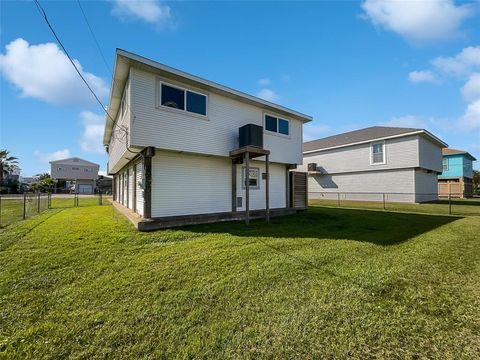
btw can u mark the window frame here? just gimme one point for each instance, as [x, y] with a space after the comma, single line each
[159, 104]
[276, 133]
[445, 162]
[384, 153]
[244, 172]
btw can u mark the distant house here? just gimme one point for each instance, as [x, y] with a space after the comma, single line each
[456, 178]
[183, 149]
[80, 175]
[401, 162]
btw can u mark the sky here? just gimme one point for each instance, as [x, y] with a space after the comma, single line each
[349, 64]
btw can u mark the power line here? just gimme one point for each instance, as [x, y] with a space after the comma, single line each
[44, 15]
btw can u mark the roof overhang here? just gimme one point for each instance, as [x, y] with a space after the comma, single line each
[124, 60]
[422, 132]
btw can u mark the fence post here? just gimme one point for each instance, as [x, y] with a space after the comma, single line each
[100, 198]
[384, 207]
[338, 199]
[0, 211]
[449, 204]
[38, 203]
[24, 206]
[49, 200]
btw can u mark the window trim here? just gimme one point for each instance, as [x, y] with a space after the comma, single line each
[277, 133]
[445, 160]
[384, 153]
[244, 172]
[159, 105]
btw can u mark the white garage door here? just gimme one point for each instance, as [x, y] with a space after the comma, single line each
[85, 189]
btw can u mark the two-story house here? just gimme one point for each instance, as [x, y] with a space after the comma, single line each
[364, 164]
[456, 178]
[175, 152]
[79, 175]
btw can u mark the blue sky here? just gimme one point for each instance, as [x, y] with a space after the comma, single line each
[348, 64]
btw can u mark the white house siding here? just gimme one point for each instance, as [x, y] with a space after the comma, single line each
[426, 185]
[118, 142]
[399, 152]
[186, 184]
[277, 187]
[131, 184]
[364, 186]
[217, 134]
[430, 155]
[139, 194]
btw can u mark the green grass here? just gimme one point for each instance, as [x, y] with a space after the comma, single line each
[327, 283]
[458, 206]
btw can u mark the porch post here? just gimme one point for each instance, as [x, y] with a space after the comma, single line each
[247, 187]
[147, 163]
[234, 185]
[267, 189]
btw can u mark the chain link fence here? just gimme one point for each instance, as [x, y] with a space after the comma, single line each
[430, 203]
[14, 208]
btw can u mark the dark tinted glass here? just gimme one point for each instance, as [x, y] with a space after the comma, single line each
[173, 97]
[196, 103]
[283, 126]
[270, 123]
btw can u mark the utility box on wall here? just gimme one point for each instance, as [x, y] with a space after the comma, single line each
[250, 135]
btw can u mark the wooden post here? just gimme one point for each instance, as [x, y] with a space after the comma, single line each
[234, 185]
[38, 203]
[384, 208]
[267, 189]
[247, 187]
[338, 199]
[134, 197]
[147, 200]
[449, 204]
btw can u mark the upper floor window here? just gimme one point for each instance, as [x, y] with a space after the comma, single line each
[277, 125]
[86, 169]
[60, 169]
[75, 168]
[445, 164]
[183, 99]
[378, 153]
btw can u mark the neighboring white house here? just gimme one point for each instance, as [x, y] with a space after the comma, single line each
[80, 174]
[174, 147]
[401, 162]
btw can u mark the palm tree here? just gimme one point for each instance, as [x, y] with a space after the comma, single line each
[7, 162]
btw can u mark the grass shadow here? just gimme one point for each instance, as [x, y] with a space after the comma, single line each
[377, 227]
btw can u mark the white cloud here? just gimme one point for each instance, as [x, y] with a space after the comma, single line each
[56, 155]
[410, 121]
[313, 132]
[422, 76]
[44, 72]
[471, 89]
[91, 139]
[267, 94]
[151, 11]
[264, 81]
[460, 65]
[470, 121]
[418, 20]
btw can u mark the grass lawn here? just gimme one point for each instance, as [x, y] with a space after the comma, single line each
[326, 283]
[458, 206]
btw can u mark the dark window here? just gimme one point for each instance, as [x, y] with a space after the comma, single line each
[283, 126]
[270, 123]
[196, 103]
[173, 97]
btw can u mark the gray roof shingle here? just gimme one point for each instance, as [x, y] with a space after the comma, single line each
[351, 137]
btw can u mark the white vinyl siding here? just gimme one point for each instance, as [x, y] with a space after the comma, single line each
[139, 195]
[430, 155]
[257, 196]
[426, 185]
[384, 181]
[216, 134]
[399, 153]
[184, 184]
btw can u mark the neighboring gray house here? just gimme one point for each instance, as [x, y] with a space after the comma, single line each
[403, 162]
[79, 175]
[174, 149]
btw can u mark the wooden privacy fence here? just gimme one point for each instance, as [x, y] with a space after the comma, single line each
[298, 190]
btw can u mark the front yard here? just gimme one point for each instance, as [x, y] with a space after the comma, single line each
[82, 283]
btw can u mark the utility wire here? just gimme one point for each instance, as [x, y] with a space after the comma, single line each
[44, 15]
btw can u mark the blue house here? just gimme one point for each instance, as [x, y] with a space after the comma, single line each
[456, 178]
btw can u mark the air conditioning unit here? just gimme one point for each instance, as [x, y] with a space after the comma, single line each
[250, 135]
[312, 167]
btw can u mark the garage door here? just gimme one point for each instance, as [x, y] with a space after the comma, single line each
[85, 189]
